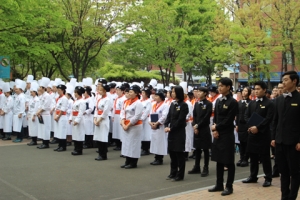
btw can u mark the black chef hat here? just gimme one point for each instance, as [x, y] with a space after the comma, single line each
[212, 88]
[161, 94]
[62, 87]
[135, 88]
[79, 90]
[103, 81]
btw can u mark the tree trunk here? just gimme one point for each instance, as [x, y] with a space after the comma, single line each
[293, 56]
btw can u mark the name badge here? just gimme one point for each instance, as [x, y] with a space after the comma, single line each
[204, 107]
[294, 104]
[262, 106]
[225, 107]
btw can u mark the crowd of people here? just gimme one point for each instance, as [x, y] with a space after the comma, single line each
[173, 120]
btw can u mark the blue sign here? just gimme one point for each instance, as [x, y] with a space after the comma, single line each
[4, 67]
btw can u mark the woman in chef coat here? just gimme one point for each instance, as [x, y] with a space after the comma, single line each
[60, 118]
[102, 122]
[133, 127]
[76, 120]
[7, 112]
[88, 117]
[159, 142]
[33, 106]
[146, 136]
[69, 91]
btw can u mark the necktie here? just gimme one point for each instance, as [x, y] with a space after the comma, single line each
[287, 95]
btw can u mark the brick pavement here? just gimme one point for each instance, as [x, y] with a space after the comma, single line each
[252, 191]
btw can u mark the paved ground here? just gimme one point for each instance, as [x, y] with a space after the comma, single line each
[29, 173]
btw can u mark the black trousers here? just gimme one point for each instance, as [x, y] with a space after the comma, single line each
[198, 157]
[146, 145]
[20, 134]
[78, 146]
[288, 160]
[244, 156]
[266, 163]
[102, 149]
[89, 141]
[118, 143]
[177, 163]
[220, 174]
[34, 139]
[46, 142]
[131, 161]
[159, 157]
[62, 143]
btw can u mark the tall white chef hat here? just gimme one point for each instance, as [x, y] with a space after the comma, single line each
[56, 82]
[1, 85]
[159, 86]
[45, 82]
[73, 82]
[30, 78]
[34, 86]
[11, 84]
[5, 87]
[21, 84]
[88, 81]
[153, 82]
[70, 89]
[184, 86]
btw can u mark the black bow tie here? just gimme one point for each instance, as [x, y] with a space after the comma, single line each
[259, 99]
[287, 95]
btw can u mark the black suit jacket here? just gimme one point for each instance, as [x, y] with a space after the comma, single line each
[241, 122]
[260, 142]
[286, 123]
[176, 120]
[201, 117]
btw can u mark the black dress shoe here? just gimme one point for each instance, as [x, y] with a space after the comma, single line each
[99, 158]
[56, 149]
[145, 153]
[69, 143]
[267, 183]
[244, 164]
[44, 146]
[76, 153]
[60, 149]
[177, 179]
[195, 170]
[32, 143]
[239, 163]
[117, 149]
[170, 177]
[123, 166]
[216, 189]
[157, 162]
[227, 191]
[6, 138]
[250, 180]
[130, 166]
[205, 172]
[54, 141]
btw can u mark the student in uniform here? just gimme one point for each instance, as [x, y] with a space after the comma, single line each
[60, 118]
[2, 100]
[43, 113]
[202, 138]
[102, 122]
[132, 126]
[33, 106]
[285, 137]
[118, 105]
[146, 135]
[223, 148]
[69, 92]
[7, 112]
[19, 110]
[159, 142]
[88, 118]
[76, 120]
[242, 128]
[175, 127]
[258, 143]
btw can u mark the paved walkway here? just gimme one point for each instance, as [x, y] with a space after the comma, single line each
[253, 191]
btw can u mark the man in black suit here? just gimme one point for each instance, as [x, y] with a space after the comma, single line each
[242, 127]
[286, 136]
[259, 136]
[202, 138]
[223, 148]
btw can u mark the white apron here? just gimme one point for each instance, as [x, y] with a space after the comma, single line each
[101, 132]
[32, 126]
[147, 106]
[78, 131]
[2, 100]
[8, 122]
[131, 139]
[60, 130]
[45, 129]
[88, 118]
[117, 128]
[189, 133]
[159, 138]
[1, 121]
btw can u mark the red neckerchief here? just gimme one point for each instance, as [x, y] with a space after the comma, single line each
[59, 98]
[103, 97]
[155, 106]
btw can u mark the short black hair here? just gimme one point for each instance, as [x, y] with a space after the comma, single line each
[293, 76]
[262, 84]
[203, 89]
[179, 93]
[88, 90]
[226, 81]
